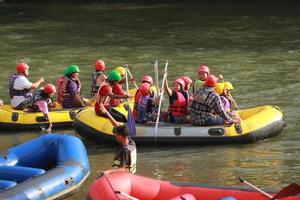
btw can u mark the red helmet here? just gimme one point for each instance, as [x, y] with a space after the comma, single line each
[100, 65]
[203, 68]
[21, 67]
[144, 89]
[49, 88]
[211, 81]
[181, 82]
[105, 90]
[148, 79]
[187, 80]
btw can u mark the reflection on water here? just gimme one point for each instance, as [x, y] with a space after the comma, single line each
[254, 45]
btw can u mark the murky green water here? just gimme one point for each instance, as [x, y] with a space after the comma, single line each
[255, 46]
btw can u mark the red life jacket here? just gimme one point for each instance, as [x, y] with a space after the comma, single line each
[136, 103]
[105, 100]
[178, 108]
[65, 93]
[116, 102]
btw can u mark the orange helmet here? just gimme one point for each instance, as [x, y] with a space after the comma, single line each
[211, 81]
[203, 68]
[187, 80]
[49, 88]
[100, 65]
[21, 67]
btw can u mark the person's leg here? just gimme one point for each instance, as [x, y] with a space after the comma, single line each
[24, 104]
[214, 121]
[117, 115]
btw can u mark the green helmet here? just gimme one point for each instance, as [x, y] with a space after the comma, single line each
[114, 76]
[66, 71]
[73, 69]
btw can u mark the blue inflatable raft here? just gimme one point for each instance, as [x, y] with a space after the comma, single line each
[49, 167]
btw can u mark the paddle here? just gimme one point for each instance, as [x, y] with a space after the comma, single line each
[155, 66]
[130, 120]
[289, 190]
[160, 100]
[129, 73]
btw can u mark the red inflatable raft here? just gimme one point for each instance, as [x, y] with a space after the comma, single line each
[121, 186]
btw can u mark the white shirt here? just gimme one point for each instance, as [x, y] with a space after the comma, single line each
[20, 83]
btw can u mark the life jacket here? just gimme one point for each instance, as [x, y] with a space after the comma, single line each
[65, 93]
[177, 107]
[197, 85]
[115, 102]
[39, 95]
[143, 110]
[133, 155]
[226, 102]
[13, 92]
[59, 89]
[137, 97]
[94, 85]
[199, 100]
[102, 100]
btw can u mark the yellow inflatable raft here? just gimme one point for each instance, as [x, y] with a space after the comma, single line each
[11, 119]
[257, 124]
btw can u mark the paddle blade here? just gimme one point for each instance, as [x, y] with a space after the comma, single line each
[131, 123]
[290, 190]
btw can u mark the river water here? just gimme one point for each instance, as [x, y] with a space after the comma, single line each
[254, 45]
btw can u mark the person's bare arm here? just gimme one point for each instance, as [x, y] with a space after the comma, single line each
[37, 83]
[111, 119]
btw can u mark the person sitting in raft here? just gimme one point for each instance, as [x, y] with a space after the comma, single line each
[114, 78]
[71, 88]
[42, 101]
[207, 108]
[145, 104]
[203, 72]
[59, 84]
[223, 89]
[103, 98]
[147, 80]
[98, 76]
[1, 103]
[177, 101]
[20, 87]
[126, 154]
[188, 81]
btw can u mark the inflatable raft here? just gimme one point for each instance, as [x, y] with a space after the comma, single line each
[49, 167]
[257, 124]
[12, 120]
[121, 185]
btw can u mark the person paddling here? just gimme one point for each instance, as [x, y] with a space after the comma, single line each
[98, 76]
[126, 153]
[20, 87]
[203, 72]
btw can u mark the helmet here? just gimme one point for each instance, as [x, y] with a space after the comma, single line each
[49, 88]
[211, 81]
[228, 86]
[187, 80]
[100, 65]
[148, 79]
[121, 70]
[203, 68]
[181, 82]
[21, 67]
[219, 88]
[73, 69]
[114, 75]
[105, 90]
[66, 71]
[144, 89]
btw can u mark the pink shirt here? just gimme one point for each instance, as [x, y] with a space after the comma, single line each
[43, 106]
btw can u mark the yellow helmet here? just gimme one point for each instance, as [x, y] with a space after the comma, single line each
[228, 86]
[220, 88]
[121, 70]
